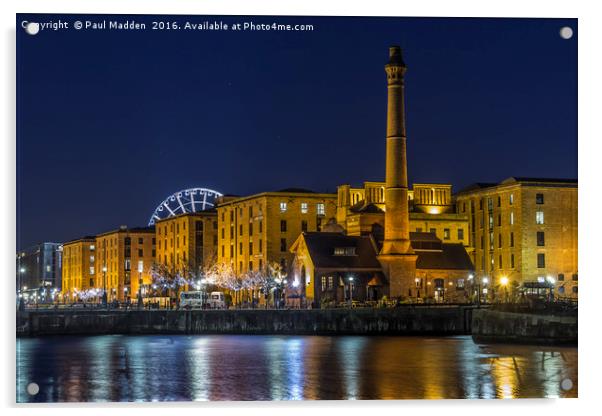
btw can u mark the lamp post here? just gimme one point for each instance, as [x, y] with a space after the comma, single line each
[504, 283]
[485, 280]
[350, 291]
[104, 286]
[140, 301]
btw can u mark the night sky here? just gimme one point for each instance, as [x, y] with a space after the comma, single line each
[110, 123]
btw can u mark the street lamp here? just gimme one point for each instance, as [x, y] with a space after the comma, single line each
[504, 282]
[350, 291]
[104, 285]
[140, 268]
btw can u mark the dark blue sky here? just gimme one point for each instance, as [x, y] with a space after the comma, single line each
[110, 123]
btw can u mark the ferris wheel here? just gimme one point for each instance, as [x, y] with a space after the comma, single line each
[187, 200]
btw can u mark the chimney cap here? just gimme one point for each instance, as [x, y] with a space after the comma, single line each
[395, 56]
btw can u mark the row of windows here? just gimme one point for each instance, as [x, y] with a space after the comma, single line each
[446, 232]
[320, 208]
[198, 226]
[539, 199]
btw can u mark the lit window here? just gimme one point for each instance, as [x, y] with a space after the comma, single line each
[304, 208]
[283, 207]
[512, 218]
[539, 217]
[511, 199]
[92, 247]
[91, 270]
[320, 208]
[446, 233]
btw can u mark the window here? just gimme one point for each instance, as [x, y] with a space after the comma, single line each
[489, 204]
[446, 233]
[512, 261]
[511, 199]
[323, 283]
[540, 239]
[418, 229]
[260, 226]
[282, 226]
[344, 251]
[433, 231]
[303, 207]
[499, 240]
[260, 265]
[223, 251]
[511, 239]
[154, 241]
[561, 290]
[231, 231]
[464, 207]
[250, 229]
[250, 212]
[481, 204]
[223, 233]
[231, 215]
[499, 201]
[574, 277]
[140, 252]
[232, 250]
[512, 218]
[490, 221]
[561, 277]
[303, 226]
[127, 265]
[539, 199]
[575, 289]
[240, 229]
[491, 243]
[251, 266]
[460, 284]
[140, 240]
[92, 247]
[251, 248]
[198, 226]
[283, 244]
[320, 209]
[240, 248]
[319, 224]
[283, 207]
[539, 217]
[460, 233]
[541, 260]
[260, 246]
[499, 220]
[92, 270]
[330, 282]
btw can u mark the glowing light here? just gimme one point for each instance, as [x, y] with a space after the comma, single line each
[22, 270]
[504, 280]
[551, 280]
[485, 280]
[470, 276]
[295, 283]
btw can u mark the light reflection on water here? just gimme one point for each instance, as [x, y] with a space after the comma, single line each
[229, 367]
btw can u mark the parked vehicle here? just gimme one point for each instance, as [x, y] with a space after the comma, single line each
[191, 300]
[217, 300]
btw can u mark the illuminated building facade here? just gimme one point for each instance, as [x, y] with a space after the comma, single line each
[79, 271]
[187, 242]
[524, 230]
[123, 262]
[258, 230]
[39, 268]
[431, 209]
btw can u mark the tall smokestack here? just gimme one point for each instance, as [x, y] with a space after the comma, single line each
[397, 220]
[396, 256]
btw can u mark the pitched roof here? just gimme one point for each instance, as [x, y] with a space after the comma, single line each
[321, 249]
[450, 257]
[432, 254]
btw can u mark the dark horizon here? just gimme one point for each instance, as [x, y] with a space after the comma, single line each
[111, 123]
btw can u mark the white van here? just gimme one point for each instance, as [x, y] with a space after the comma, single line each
[217, 300]
[191, 300]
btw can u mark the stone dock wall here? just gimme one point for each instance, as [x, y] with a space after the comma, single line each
[510, 327]
[453, 320]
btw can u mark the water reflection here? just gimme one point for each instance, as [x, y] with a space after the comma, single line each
[167, 368]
